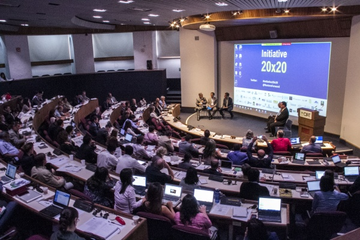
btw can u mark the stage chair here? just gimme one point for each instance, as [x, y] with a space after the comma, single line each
[159, 227]
[184, 232]
[286, 128]
[322, 225]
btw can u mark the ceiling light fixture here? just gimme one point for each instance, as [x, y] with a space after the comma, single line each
[2, 20]
[221, 4]
[97, 16]
[236, 13]
[106, 21]
[178, 10]
[207, 16]
[282, 0]
[153, 15]
[286, 11]
[182, 20]
[145, 19]
[324, 9]
[147, 23]
[24, 24]
[126, 1]
[333, 9]
[99, 10]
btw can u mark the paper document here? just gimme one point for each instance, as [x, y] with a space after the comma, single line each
[240, 212]
[99, 227]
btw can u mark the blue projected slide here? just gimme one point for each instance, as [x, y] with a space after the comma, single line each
[267, 73]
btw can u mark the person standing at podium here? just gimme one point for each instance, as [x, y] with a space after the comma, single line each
[279, 120]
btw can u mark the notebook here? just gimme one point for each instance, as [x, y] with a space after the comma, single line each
[172, 193]
[61, 200]
[337, 161]
[313, 186]
[204, 197]
[295, 142]
[226, 165]
[9, 174]
[29, 196]
[319, 174]
[351, 173]
[269, 209]
[299, 158]
[139, 184]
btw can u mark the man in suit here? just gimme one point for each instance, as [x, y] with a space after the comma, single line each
[252, 190]
[227, 105]
[278, 120]
[212, 105]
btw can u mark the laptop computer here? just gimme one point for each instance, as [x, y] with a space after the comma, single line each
[295, 142]
[9, 174]
[122, 132]
[269, 209]
[351, 173]
[319, 174]
[61, 200]
[337, 161]
[319, 140]
[299, 158]
[128, 139]
[172, 193]
[204, 197]
[313, 186]
[139, 184]
[226, 165]
[29, 196]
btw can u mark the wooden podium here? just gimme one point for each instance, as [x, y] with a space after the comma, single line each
[310, 123]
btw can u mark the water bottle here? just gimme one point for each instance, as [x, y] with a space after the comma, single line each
[217, 195]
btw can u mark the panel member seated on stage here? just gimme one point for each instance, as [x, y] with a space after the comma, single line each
[214, 168]
[312, 147]
[281, 143]
[260, 161]
[227, 105]
[279, 120]
[252, 190]
[237, 157]
[200, 102]
[212, 105]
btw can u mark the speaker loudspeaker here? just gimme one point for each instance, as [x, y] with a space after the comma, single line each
[273, 34]
[149, 65]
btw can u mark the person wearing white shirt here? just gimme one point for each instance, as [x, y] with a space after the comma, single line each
[139, 150]
[107, 159]
[126, 161]
[162, 102]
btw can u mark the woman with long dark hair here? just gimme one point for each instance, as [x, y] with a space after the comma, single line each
[125, 199]
[67, 225]
[190, 182]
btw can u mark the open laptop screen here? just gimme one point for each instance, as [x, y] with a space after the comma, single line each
[204, 195]
[273, 204]
[295, 140]
[10, 171]
[128, 137]
[319, 174]
[319, 139]
[61, 198]
[122, 131]
[351, 171]
[139, 181]
[299, 156]
[173, 190]
[226, 164]
[336, 159]
[313, 186]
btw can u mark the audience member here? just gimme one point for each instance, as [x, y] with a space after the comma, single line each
[67, 225]
[107, 159]
[153, 202]
[142, 102]
[94, 126]
[256, 230]
[154, 174]
[161, 152]
[212, 105]
[261, 161]
[128, 129]
[87, 150]
[236, 156]
[139, 150]
[252, 190]
[83, 97]
[281, 143]
[133, 105]
[185, 146]
[227, 105]
[103, 134]
[27, 161]
[151, 137]
[107, 104]
[98, 187]
[10, 116]
[355, 186]
[126, 161]
[112, 99]
[55, 129]
[7, 150]
[165, 141]
[162, 102]
[26, 107]
[124, 194]
[210, 152]
[312, 147]
[190, 182]
[205, 138]
[65, 145]
[15, 137]
[185, 164]
[214, 168]
[3, 124]
[38, 98]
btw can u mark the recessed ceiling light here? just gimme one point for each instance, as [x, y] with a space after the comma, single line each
[106, 21]
[126, 1]
[147, 23]
[282, 0]
[286, 11]
[145, 19]
[182, 19]
[178, 10]
[324, 9]
[207, 16]
[99, 10]
[334, 9]
[2, 20]
[153, 15]
[221, 4]
[24, 24]
[97, 16]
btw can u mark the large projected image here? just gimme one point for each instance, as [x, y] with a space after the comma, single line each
[267, 73]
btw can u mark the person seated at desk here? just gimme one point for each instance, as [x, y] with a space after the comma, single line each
[124, 193]
[185, 146]
[3, 124]
[26, 107]
[107, 104]
[212, 105]
[128, 129]
[38, 98]
[281, 143]
[133, 105]
[165, 141]
[328, 198]
[94, 126]
[185, 164]
[278, 120]
[227, 105]
[103, 134]
[355, 186]
[27, 161]
[126, 161]
[205, 138]
[161, 152]
[193, 215]
[134, 124]
[153, 202]
[98, 187]
[214, 168]
[97, 112]
[157, 108]
[59, 113]
[139, 150]
[55, 129]
[210, 152]
[41, 173]
[16, 138]
[107, 159]
[83, 97]
[256, 230]
[162, 102]
[200, 103]
[7, 217]
[112, 98]
[154, 174]
[252, 190]
[66, 104]
[236, 156]
[261, 161]
[142, 102]
[151, 137]
[10, 116]
[69, 217]
[190, 181]
[87, 150]
[312, 147]
[7, 150]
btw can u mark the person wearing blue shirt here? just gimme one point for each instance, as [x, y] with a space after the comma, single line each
[237, 157]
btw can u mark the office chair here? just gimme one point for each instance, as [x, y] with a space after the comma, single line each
[314, 155]
[159, 227]
[322, 225]
[353, 208]
[79, 194]
[38, 237]
[184, 232]
[286, 128]
[282, 153]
